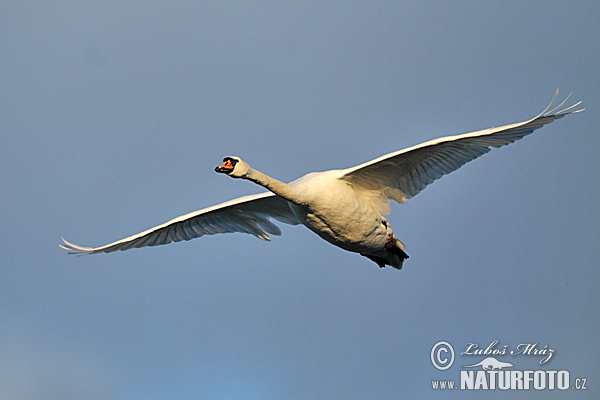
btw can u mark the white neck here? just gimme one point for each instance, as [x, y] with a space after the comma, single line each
[279, 188]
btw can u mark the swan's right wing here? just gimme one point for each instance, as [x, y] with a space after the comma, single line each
[403, 174]
[249, 214]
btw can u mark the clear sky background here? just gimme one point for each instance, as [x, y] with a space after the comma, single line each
[113, 116]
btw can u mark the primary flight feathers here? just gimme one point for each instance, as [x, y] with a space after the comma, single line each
[248, 214]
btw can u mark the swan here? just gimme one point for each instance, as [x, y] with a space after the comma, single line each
[345, 207]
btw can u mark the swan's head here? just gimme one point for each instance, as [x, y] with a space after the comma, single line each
[234, 167]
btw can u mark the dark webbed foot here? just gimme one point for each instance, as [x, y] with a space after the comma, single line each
[393, 247]
[399, 252]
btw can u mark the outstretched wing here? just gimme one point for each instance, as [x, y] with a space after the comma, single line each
[249, 214]
[403, 174]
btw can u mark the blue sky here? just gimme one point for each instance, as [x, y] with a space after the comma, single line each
[114, 115]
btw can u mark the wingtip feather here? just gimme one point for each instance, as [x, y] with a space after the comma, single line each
[552, 112]
[560, 105]
[568, 108]
[545, 112]
[74, 249]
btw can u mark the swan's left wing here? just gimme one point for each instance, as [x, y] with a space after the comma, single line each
[403, 174]
[249, 214]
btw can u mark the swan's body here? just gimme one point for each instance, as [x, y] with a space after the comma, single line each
[343, 216]
[344, 207]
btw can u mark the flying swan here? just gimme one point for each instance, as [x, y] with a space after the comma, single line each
[345, 207]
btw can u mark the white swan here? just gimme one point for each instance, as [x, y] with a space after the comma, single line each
[344, 207]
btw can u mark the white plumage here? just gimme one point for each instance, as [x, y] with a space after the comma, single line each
[344, 207]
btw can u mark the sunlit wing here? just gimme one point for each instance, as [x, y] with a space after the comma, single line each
[403, 174]
[249, 214]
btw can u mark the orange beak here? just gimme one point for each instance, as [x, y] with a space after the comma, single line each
[227, 166]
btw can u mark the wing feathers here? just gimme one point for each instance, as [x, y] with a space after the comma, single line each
[406, 172]
[248, 214]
